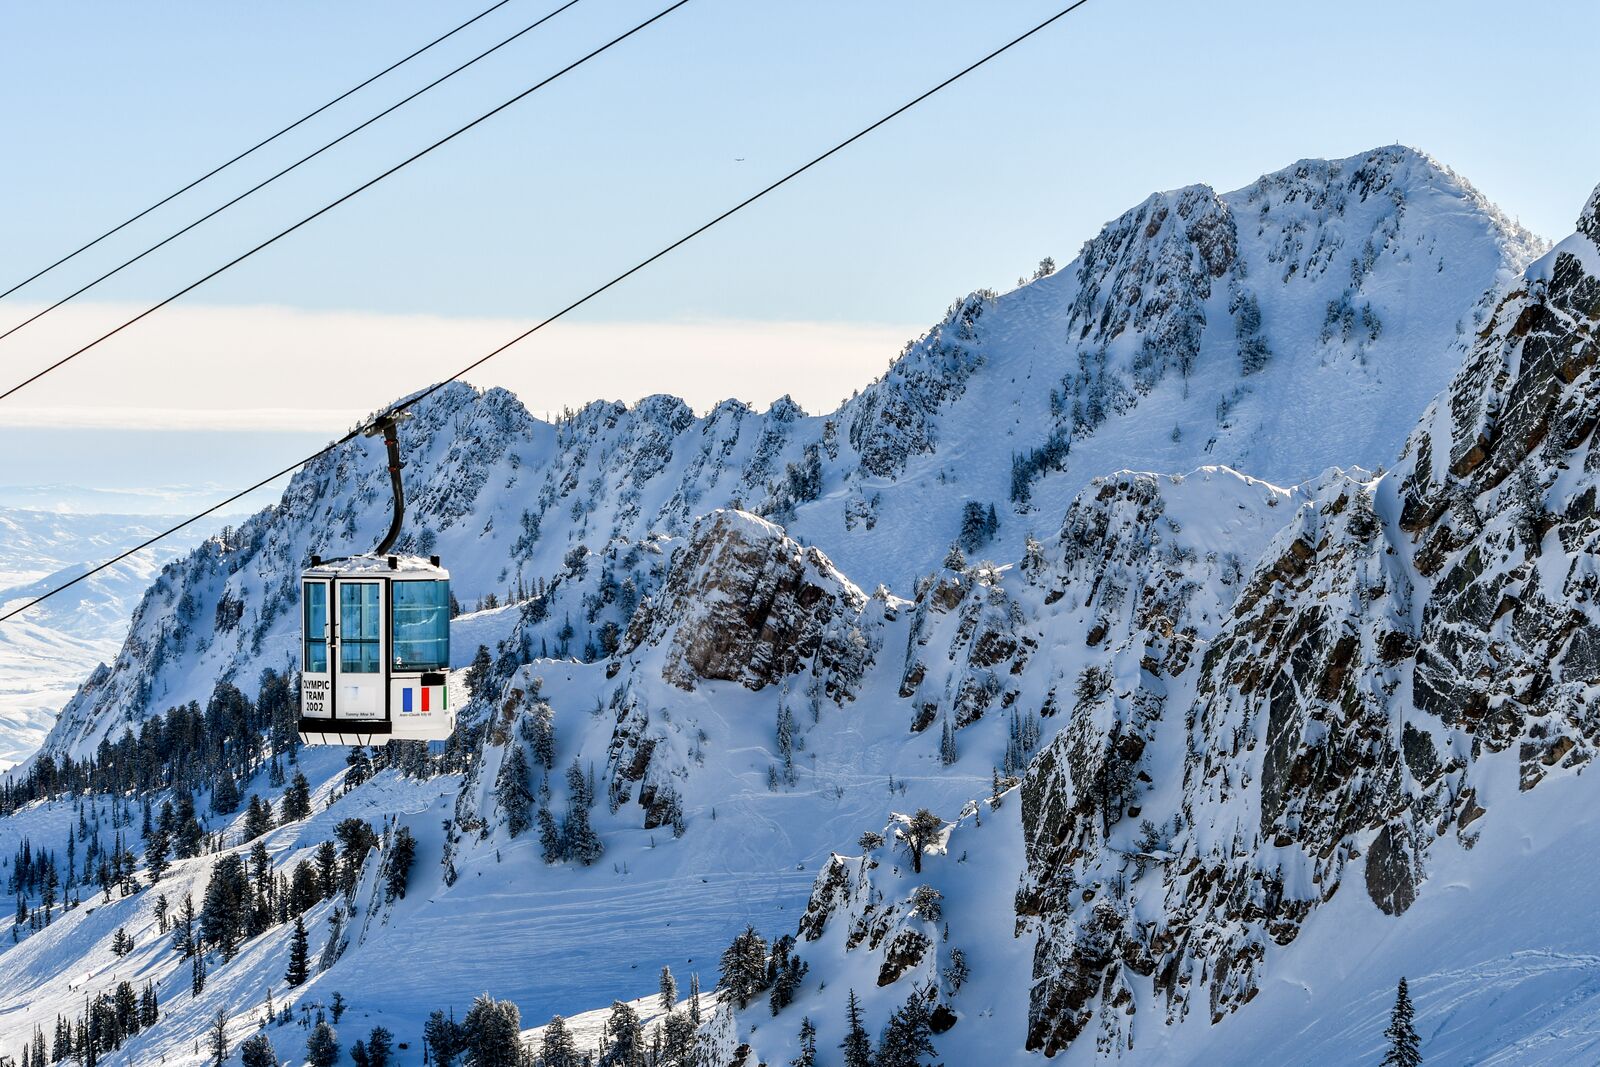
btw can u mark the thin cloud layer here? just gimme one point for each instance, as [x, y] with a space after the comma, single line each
[275, 368]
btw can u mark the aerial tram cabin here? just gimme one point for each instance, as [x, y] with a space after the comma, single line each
[375, 638]
[376, 648]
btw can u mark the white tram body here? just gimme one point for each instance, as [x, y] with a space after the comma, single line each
[375, 651]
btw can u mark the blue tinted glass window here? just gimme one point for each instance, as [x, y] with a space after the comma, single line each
[421, 625]
[359, 627]
[314, 599]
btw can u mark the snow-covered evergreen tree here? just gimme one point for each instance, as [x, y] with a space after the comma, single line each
[908, 1035]
[322, 1046]
[744, 967]
[808, 1044]
[512, 792]
[299, 955]
[857, 1045]
[1404, 1045]
[446, 1038]
[257, 1051]
[494, 1033]
[625, 1034]
[919, 831]
[785, 972]
[558, 1048]
[667, 988]
[296, 799]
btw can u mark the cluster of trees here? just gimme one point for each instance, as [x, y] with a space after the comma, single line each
[748, 969]
[244, 899]
[1046, 267]
[189, 750]
[184, 750]
[1253, 351]
[37, 873]
[906, 1039]
[489, 1036]
[573, 838]
[1026, 467]
[978, 526]
[801, 483]
[1342, 317]
[107, 1022]
[788, 741]
[1022, 737]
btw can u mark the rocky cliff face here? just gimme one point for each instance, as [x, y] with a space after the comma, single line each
[746, 604]
[1396, 635]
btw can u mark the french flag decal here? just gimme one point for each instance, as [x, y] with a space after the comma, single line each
[405, 699]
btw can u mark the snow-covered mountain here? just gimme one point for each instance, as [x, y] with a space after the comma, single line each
[1155, 739]
[45, 654]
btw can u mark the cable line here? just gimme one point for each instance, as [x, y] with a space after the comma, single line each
[423, 394]
[363, 187]
[308, 116]
[303, 159]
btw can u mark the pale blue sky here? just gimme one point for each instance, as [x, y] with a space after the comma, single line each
[109, 105]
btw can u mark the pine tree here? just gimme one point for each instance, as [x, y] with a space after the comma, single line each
[183, 929]
[550, 843]
[299, 960]
[786, 741]
[908, 1035]
[680, 1040]
[397, 869]
[197, 973]
[188, 835]
[744, 967]
[478, 673]
[626, 1033]
[694, 998]
[857, 1045]
[558, 1048]
[542, 730]
[957, 973]
[149, 1010]
[512, 791]
[155, 854]
[322, 1047]
[445, 1037]
[947, 745]
[297, 799]
[920, 832]
[225, 795]
[668, 988]
[493, 1032]
[785, 972]
[327, 860]
[380, 1047]
[578, 839]
[224, 913]
[808, 1044]
[1404, 1045]
[257, 818]
[257, 1051]
[219, 1038]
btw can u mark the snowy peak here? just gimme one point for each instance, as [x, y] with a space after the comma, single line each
[1392, 640]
